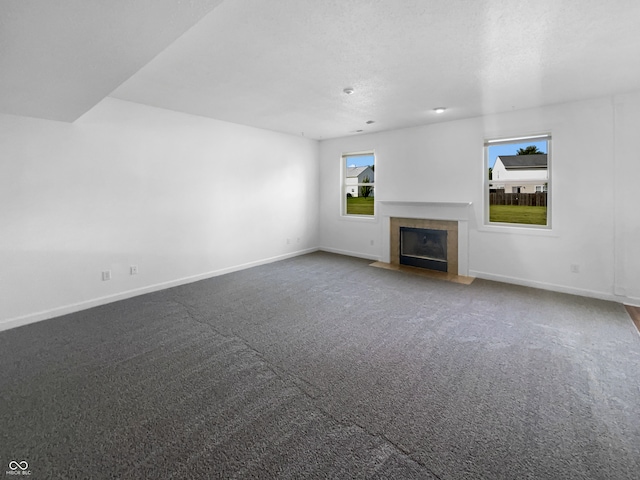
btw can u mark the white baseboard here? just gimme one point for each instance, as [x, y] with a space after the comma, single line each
[95, 302]
[84, 305]
[632, 301]
[554, 287]
[349, 253]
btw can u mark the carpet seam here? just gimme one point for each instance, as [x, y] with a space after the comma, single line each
[287, 376]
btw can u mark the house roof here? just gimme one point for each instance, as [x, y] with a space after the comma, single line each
[355, 171]
[538, 160]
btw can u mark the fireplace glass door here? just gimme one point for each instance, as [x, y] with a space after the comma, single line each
[424, 248]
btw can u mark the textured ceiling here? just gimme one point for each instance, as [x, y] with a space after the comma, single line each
[58, 58]
[282, 64]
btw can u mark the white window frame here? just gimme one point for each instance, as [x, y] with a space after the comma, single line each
[345, 188]
[487, 223]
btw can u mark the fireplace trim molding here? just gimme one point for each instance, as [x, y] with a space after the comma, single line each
[451, 211]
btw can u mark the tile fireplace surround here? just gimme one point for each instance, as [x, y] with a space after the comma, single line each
[452, 238]
[450, 216]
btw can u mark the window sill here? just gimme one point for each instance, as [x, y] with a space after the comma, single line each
[541, 231]
[359, 218]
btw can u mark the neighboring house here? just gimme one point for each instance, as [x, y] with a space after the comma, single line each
[520, 173]
[357, 175]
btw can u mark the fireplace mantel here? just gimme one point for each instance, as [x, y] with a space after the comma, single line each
[434, 210]
[456, 211]
[437, 204]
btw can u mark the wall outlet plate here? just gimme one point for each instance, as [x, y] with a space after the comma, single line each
[106, 275]
[133, 270]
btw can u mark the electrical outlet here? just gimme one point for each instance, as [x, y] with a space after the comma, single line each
[575, 268]
[288, 241]
[298, 239]
[372, 243]
[106, 275]
[133, 270]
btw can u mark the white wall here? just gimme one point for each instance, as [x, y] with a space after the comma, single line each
[627, 204]
[128, 184]
[444, 162]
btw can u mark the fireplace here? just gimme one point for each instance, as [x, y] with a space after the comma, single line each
[450, 216]
[424, 248]
[424, 243]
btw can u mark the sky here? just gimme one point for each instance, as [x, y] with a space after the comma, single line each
[360, 161]
[512, 148]
[494, 152]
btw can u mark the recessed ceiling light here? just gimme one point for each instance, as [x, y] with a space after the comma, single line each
[439, 110]
[348, 90]
[369, 122]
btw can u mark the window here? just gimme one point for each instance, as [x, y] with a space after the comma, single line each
[358, 189]
[523, 166]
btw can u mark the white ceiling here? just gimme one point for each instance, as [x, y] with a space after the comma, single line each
[282, 64]
[58, 58]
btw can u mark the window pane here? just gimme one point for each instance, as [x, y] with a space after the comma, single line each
[358, 184]
[518, 181]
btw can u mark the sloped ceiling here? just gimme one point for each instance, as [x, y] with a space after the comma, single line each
[58, 58]
[282, 65]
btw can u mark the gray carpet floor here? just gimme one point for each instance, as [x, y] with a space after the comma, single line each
[321, 366]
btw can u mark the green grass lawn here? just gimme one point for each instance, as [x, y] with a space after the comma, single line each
[498, 213]
[518, 214]
[360, 205]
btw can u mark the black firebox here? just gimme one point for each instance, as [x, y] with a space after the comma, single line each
[424, 248]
